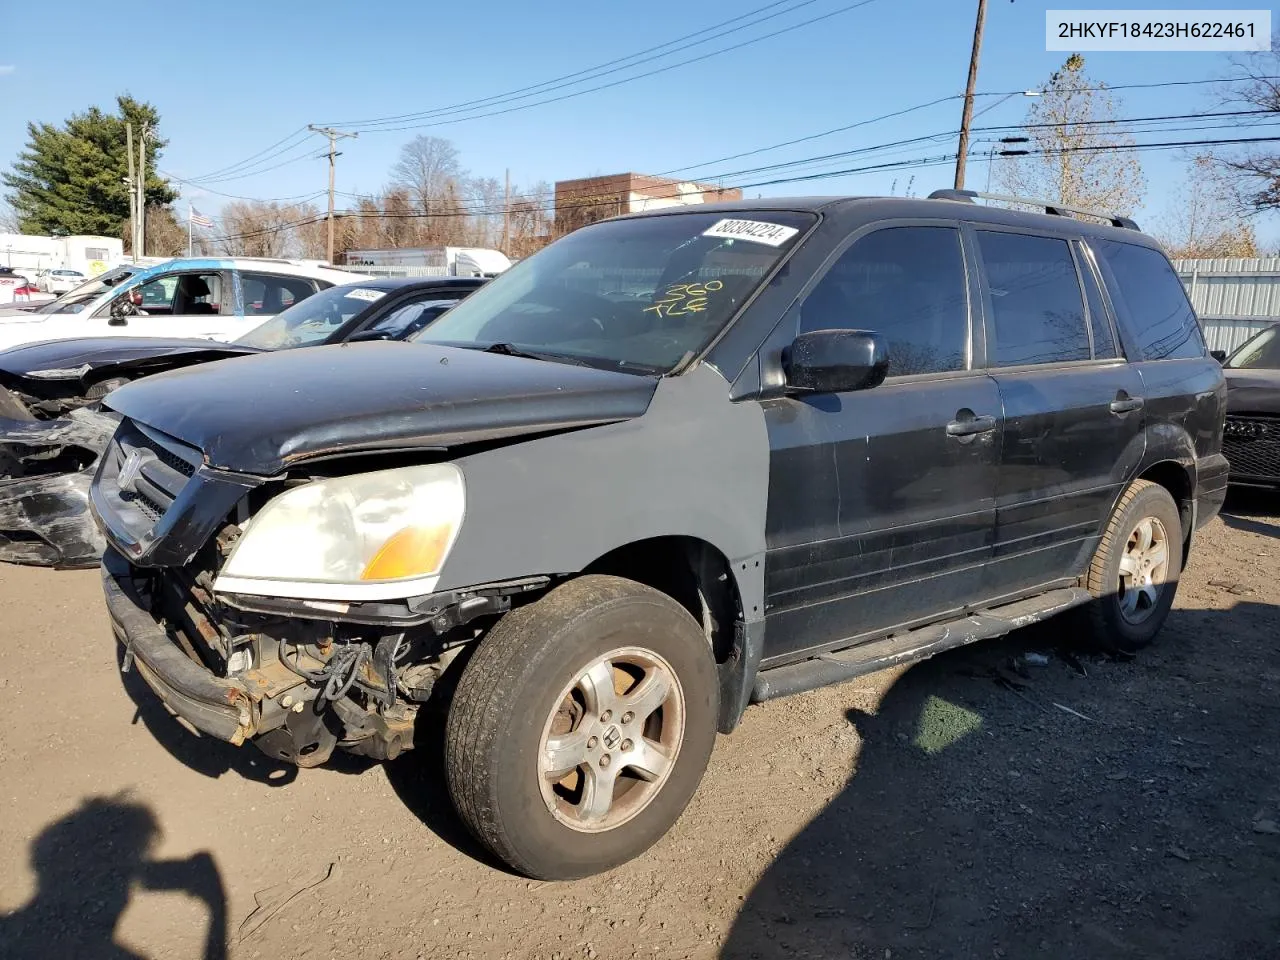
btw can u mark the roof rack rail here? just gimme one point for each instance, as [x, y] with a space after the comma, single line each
[1049, 206]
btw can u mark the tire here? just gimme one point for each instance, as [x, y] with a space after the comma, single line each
[528, 687]
[1122, 618]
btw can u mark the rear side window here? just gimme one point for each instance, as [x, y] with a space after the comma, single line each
[908, 285]
[1150, 301]
[266, 294]
[1035, 306]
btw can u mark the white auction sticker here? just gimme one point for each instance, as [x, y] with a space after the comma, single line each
[757, 231]
[363, 294]
[1082, 31]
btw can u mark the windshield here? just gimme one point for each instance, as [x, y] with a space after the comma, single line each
[80, 297]
[314, 319]
[640, 294]
[1260, 353]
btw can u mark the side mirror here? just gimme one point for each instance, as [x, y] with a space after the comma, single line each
[836, 361]
[1219, 355]
[122, 307]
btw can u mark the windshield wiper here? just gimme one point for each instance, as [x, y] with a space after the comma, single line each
[511, 350]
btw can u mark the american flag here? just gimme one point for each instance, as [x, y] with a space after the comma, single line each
[197, 218]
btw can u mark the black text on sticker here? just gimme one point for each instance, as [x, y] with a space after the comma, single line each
[757, 231]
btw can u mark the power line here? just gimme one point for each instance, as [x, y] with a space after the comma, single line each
[599, 70]
[246, 161]
[639, 76]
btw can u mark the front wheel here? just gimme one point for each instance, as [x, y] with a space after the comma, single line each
[1135, 570]
[581, 727]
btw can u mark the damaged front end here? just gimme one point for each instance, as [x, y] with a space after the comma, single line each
[275, 674]
[46, 466]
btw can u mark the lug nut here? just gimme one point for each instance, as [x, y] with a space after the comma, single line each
[626, 745]
[297, 707]
[591, 743]
[604, 761]
[286, 701]
[606, 716]
[628, 717]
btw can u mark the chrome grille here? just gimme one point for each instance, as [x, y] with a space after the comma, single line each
[1251, 445]
[142, 474]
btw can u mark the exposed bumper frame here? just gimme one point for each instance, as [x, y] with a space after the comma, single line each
[216, 706]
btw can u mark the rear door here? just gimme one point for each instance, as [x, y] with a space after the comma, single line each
[882, 501]
[263, 295]
[1073, 408]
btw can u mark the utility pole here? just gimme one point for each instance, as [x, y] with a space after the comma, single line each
[131, 180]
[334, 136]
[968, 93]
[142, 193]
[506, 213]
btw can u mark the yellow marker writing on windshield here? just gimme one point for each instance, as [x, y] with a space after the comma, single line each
[683, 298]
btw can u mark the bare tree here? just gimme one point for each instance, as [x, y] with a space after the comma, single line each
[428, 169]
[1257, 169]
[532, 219]
[1205, 218]
[256, 228]
[1077, 157]
[485, 197]
[8, 218]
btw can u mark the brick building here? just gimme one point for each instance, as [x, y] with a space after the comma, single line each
[579, 202]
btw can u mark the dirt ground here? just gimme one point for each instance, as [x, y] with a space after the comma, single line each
[980, 805]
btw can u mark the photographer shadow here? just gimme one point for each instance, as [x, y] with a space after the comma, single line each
[87, 866]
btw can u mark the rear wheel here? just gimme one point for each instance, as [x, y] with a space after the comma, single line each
[581, 727]
[1134, 574]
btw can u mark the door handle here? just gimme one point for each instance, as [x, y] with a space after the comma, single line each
[971, 426]
[1126, 405]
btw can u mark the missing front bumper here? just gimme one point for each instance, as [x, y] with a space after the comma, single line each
[216, 706]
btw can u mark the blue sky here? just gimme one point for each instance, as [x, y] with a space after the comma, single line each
[232, 79]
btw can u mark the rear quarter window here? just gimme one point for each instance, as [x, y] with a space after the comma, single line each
[1150, 301]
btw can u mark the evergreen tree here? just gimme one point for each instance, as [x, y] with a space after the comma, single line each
[70, 179]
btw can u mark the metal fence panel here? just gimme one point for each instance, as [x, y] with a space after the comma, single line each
[1227, 333]
[1233, 288]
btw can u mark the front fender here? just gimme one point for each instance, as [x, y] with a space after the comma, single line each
[694, 465]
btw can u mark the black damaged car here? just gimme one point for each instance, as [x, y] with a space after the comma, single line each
[53, 429]
[672, 464]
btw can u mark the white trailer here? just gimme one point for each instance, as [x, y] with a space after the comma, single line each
[450, 261]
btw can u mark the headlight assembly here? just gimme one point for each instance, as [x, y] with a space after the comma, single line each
[371, 536]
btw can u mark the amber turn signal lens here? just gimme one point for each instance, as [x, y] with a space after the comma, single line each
[412, 552]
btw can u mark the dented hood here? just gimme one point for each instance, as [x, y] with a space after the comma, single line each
[73, 359]
[259, 414]
[1253, 391]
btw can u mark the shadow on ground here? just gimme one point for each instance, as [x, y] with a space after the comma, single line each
[87, 866]
[417, 776]
[986, 821]
[1245, 504]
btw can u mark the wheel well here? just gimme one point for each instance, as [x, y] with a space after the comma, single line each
[1175, 478]
[691, 572]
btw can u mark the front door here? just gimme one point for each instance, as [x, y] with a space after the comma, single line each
[1073, 407]
[194, 303]
[882, 502]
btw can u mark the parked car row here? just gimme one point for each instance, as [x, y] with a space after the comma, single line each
[675, 463]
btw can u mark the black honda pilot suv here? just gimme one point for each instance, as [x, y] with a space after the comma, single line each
[673, 464]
